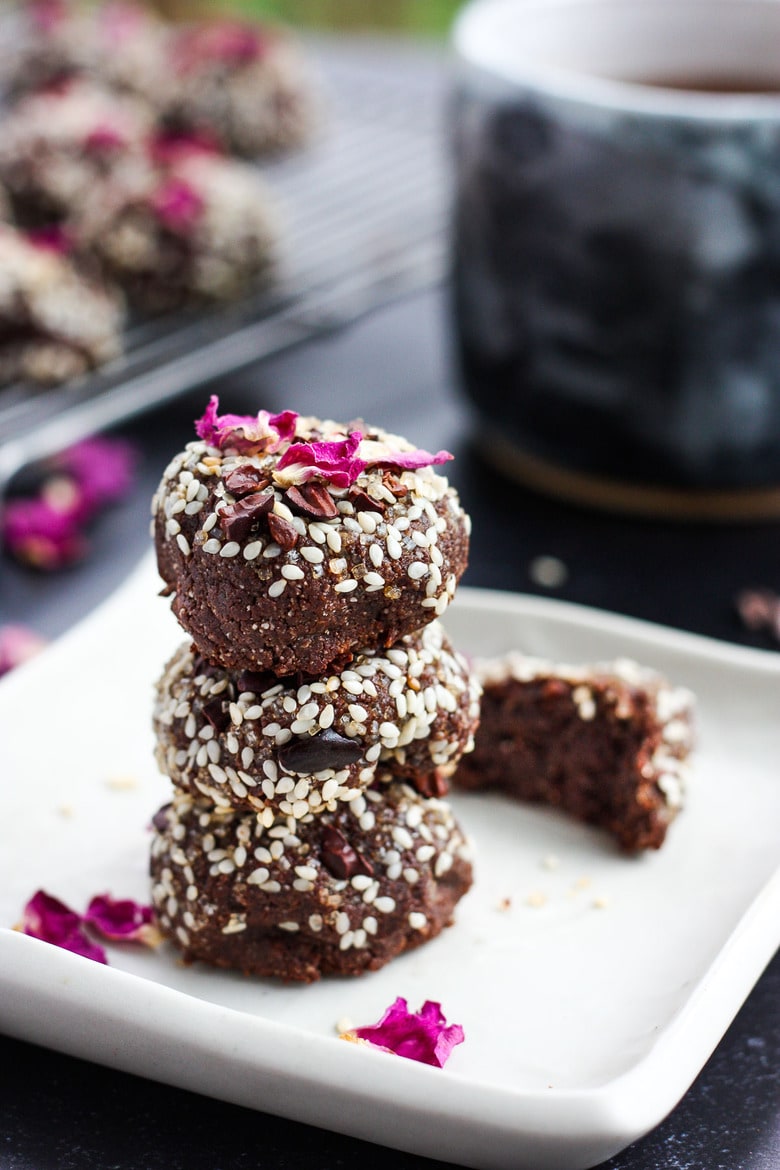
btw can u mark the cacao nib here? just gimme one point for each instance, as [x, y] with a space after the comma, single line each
[341, 858]
[312, 499]
[327, 749]
[282, 531]
[433, 784]
[160, 818]
[363, 502]
[237, 519]
[256, 681]
[242, 481]
[215, 714]
[394, 485]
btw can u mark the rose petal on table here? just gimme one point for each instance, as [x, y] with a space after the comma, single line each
[122, 920]
[424, 1036]
[17, 644]
[46, 918]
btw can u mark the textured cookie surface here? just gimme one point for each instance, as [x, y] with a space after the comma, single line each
[340, 893]
[608, 744]
[285, 748]
[274, 565]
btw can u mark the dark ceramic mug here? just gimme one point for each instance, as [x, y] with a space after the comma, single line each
[616, 247]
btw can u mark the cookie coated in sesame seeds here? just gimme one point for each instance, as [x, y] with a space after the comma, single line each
[291, 748]
[270, 570]
[608, 743]
[340, 893]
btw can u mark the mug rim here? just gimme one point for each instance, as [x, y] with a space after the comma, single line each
[470, 38]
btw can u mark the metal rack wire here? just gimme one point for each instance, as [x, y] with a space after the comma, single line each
[364, 219]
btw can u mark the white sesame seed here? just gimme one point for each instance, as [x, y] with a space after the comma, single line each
[315, 922]
[385, 905]
[345, 586]
[253, 550]
[292, 572]
[376, 555]
[333, 538]
[291, 926]
[183, 544]
[271, 550]
[327, 716]
[277, 588]
[417, 570]
[231, 549]
[394, 550]
[314, 556]
[417, 921]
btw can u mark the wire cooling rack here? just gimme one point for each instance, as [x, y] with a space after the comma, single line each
[364, 212]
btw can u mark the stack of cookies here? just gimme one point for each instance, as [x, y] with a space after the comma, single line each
[312, 722]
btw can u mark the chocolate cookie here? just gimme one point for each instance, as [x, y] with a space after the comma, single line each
[248, 84]
[54, 323]
[289, 542]
[57, 145]
[291, 748]
[340, 893]
[608, 744]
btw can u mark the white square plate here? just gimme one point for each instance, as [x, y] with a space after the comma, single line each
[591, 992]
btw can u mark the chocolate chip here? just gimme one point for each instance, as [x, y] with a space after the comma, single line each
[282, 531]
[241, 481]
[237, 519]
[256, 681]
[432, 784]
[340, 858]
[327, 749]
[363, 502]
[312, 499]
[214, 713]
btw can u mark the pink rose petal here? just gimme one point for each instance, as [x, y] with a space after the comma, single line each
[17, 645]
[53, 238]
[424, 1036]
[334, 461]
[102, 139]
[50, 920]
[102, 468]
[177, 205]
[42, 536]
[265, 433]
[122, 920]
[168, 148]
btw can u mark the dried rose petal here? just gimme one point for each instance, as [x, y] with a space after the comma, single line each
[424, 1036]
[170, 147]
[122, 920]
[334, 461]
[177, 205]
[244, 432]
[230, 41]
[47, 15]
[104, 138]
[102, 469]
[42, 536]
[17, 644]
[50, 920]
[52, 238]
[341, 461]
[381, 455]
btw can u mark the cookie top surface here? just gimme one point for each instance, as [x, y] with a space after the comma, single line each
[290, 540]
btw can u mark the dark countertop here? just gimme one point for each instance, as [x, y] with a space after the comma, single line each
[58, 1112]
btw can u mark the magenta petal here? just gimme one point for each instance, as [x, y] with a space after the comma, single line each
[41, 535]
[245, 432]
[102, 468]
[334, 461]
[424, 1036]
[177, 204]
[411, 460]
[17, 644]
[120, 920]
[50, 920]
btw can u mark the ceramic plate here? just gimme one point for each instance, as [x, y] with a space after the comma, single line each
[592, 987]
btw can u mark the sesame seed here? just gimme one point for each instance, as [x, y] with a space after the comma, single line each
[394, 550]
[376, 555]
[277, 588]
[183, 544]
[253, 550]
[385, 905]
[292, 572]
[345, 586]
[315, 922]
[231, 549]
[314, 556]
[333, 538]
[327, 716]
[291, 926]
[417, 921]
[271, 550]
[417, 570]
